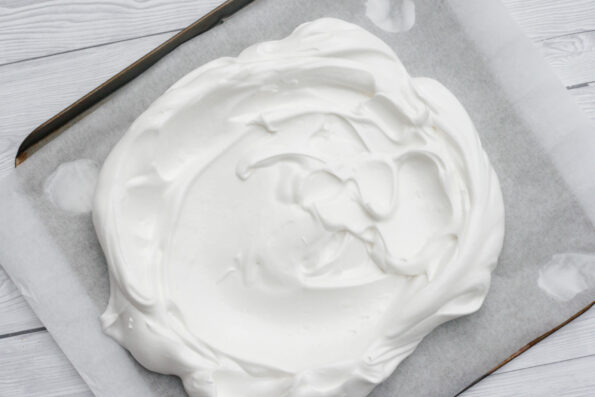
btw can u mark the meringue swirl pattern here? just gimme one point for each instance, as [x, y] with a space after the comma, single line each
[293, 221]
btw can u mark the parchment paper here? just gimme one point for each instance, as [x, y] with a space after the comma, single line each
[540, 144]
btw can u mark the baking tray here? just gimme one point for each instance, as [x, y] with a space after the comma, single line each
[77, 110]
[58, 123]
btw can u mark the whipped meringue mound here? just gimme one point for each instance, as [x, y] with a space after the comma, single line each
[293, 221]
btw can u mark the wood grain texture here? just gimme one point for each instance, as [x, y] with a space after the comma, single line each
[36, 29]
[568, 378]
[32, 365]
[585, 98]
[572, 57]
[575, 340]
[35, 90]
[15, 313]
[120, 31]
[35, 356]
[544, 19]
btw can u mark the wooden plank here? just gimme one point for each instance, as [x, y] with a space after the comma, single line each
[35, 90]
[585, 98]
[33, 365]
[568, 378]
[51, 379]
[8, 146]
[572, 57]
[40, 28]
[15, 313]
[544, 19]
[575, 340]
[36, 356]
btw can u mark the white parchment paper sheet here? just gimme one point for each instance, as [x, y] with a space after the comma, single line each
[540, 144]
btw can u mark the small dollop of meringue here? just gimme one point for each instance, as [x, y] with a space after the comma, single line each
[566, 275]
[393, 16]
[293, 221]
[71, 187]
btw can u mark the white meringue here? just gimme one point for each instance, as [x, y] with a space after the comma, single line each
[293, 221]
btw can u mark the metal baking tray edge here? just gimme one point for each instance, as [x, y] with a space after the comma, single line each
[76, 111]
[71, 114]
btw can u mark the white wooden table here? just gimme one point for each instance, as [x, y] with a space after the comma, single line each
[53, 52]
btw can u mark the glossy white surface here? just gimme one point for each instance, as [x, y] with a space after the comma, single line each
[71, 57]
[269, 210]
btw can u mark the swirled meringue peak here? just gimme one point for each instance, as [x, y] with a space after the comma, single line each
[293, 221]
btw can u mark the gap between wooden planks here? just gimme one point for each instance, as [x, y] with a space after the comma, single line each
[68, 47]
